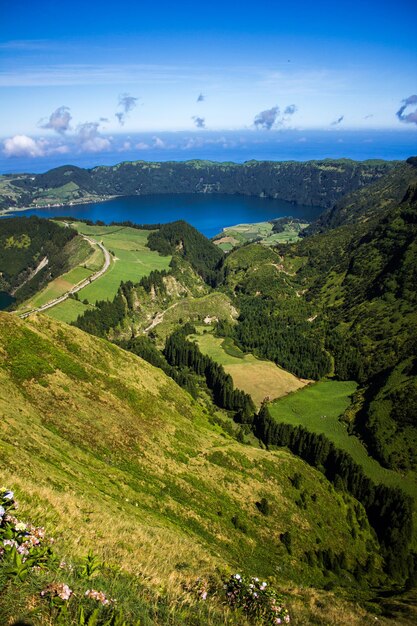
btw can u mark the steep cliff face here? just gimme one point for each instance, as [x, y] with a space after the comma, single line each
[374, 200]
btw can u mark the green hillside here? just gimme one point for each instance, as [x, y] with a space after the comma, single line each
[342, 303]
[371, 201]
[202, 482]
[34, 251]
[109, 454]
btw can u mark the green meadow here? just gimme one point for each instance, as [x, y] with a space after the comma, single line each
[68, 311]
[131, 260]
[256, 377]
[318, 408]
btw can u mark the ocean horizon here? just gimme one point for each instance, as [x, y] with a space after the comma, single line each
[236, 147]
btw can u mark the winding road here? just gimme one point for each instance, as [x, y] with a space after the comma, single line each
[79, 286]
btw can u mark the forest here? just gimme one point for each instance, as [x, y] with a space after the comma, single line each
[24, 241]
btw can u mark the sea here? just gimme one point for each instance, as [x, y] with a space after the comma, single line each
[230, 146]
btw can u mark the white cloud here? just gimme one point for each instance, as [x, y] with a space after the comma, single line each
[126, 145]
[158, 143]
[86, 139]
[59, 120]
[142, 146]
[96, 144]
[22, 145]
[89, 138]
[59, 150]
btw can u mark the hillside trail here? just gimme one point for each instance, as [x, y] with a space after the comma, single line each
[43, 263]
[159, 317]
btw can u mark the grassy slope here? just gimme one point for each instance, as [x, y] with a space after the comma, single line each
[257, 377]
[110, 454]
[318, 408]
[83, 260]
[195, 309]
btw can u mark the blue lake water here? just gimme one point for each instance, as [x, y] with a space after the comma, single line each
[5, 300]
[208, 213]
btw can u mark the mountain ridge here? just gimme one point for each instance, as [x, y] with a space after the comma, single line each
[323, 182]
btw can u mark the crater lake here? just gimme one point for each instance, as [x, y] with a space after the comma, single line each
[209, 213]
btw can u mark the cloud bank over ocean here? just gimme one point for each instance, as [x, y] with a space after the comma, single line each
[88, 147]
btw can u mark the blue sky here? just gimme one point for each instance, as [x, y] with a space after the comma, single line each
[92, 77]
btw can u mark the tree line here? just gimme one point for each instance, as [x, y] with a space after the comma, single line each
[181, 352]
[144, 347]
[278, 336]
[389, 510]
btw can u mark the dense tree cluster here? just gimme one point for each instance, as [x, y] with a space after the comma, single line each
[279, 225]
[155, 281]
[182, 238]
[106, 315]
[389, 510]
[181, 352]
[290, 342]
[24, 241]
[144, 347]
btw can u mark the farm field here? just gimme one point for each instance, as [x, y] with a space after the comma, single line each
[131, 259]
[242, 233]
[254, 376]
[318, 408]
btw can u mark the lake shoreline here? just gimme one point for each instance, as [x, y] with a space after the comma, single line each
[11, 210]
[209, 213]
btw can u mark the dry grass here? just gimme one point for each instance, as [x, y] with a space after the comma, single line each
[110, 454]
[257, 377]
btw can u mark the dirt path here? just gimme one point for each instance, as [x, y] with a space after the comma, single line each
[159, 317]
[79, 286]
[43, 263]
